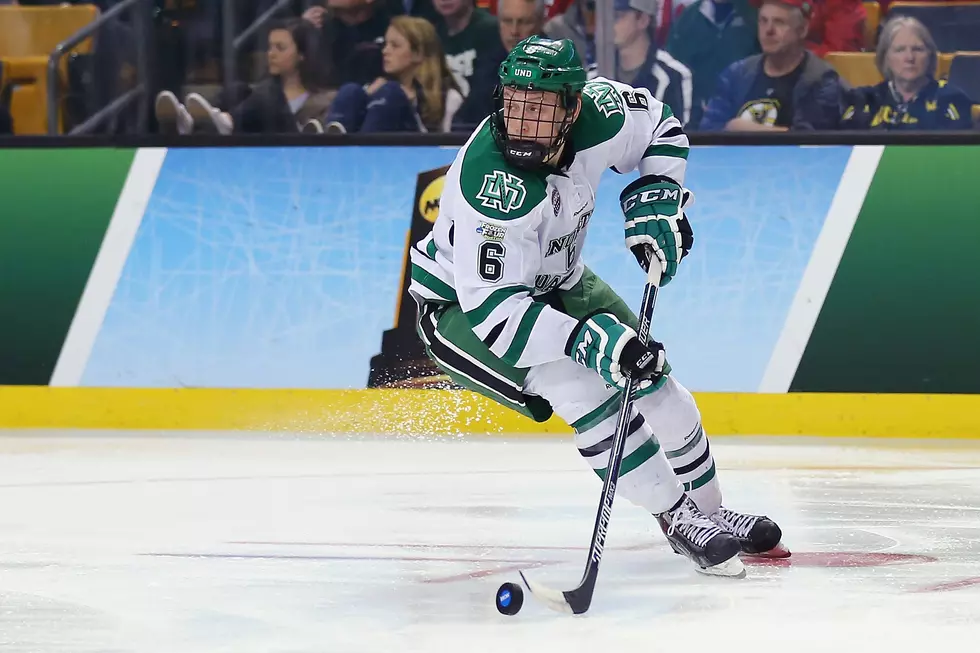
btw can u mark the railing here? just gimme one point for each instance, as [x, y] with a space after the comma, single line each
[141, 21]
[969, 138]
[232, 44]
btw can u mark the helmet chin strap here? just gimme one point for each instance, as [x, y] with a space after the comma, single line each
[526, 154]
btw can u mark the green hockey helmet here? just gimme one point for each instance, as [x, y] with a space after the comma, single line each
[535, 102]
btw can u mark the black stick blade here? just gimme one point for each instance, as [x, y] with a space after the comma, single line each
[576, 601]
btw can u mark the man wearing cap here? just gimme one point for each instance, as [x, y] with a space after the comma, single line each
[641, 64]
[786, 87]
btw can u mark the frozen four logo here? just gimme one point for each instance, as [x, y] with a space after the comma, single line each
[502, 192]
[491, 231]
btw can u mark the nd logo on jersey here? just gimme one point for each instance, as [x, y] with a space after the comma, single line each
[502, 192]
[605, 97]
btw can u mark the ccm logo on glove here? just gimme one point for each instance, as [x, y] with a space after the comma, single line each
[653, 195]
[656, 227]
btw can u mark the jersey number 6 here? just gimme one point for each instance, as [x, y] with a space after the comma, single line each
[635, 101]
[491, 263]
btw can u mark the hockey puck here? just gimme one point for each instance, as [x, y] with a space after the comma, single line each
[510, 598]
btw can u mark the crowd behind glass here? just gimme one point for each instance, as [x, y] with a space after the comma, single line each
[345, 66]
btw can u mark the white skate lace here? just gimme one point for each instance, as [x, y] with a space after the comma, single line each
[692, 524]
[735, 523]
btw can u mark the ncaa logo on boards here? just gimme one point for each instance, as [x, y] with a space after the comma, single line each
[555, 201]
[429, 199]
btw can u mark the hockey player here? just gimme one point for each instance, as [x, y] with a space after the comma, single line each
[508, 309]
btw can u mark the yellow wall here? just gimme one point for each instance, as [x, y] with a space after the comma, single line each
[447, 412]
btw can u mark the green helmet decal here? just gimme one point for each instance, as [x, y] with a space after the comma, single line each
[544, 64]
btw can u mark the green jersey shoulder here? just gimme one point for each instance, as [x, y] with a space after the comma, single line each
[603, 115]
[494, 187]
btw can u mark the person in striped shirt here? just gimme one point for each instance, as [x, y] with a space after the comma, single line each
[508, 308]
[641, 64]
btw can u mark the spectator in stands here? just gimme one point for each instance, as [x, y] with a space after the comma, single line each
[910, 98]
[641, 64]
[670, 10]
[291, 98]
[709, 36]
[551, 8]
[469, 36]
[351, 37]
[419, 92]
[786, 87]
[835, 26]
[418, 8]
[578, 24]
[518, 20]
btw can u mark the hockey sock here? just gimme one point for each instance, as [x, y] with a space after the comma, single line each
[645, 476]
[674, 419]
[581, 398]
[694, 466]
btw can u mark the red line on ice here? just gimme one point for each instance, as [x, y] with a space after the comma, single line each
[950, 586]
[461, 547]
[483, 573]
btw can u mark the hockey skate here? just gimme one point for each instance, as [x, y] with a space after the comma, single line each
[758, 536]
[690, 533]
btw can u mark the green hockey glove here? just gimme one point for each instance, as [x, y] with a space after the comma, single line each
[656, 226]
[604, 344]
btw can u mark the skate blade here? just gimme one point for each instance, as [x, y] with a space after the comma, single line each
[731, 568]
[777, 552]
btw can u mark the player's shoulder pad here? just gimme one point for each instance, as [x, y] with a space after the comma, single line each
[602, 117]
[492, 186]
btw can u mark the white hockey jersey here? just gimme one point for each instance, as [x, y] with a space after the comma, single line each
[506, 235]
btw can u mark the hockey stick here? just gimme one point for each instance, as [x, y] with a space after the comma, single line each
[578, 600]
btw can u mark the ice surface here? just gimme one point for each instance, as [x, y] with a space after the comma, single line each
[186, 543]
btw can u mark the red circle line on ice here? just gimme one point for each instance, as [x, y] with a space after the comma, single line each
[839, 559]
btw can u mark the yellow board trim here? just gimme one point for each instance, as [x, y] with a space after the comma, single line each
[444, 412]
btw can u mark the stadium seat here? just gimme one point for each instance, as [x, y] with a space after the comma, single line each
[954, 25]
[943, 62]
[30, 31]
[24, 81]
[964, 73]
[858, 68]
[28, 35]
[872, 11]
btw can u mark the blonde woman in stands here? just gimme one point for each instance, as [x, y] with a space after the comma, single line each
[417, 94]
[910, 98]
[290, 99]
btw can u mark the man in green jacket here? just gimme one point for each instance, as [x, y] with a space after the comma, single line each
[709, 36]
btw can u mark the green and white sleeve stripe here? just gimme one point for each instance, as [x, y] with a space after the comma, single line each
[668, 150]
[430, 281]
[517, 329]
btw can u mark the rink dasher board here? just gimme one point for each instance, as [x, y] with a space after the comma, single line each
[450, 412]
